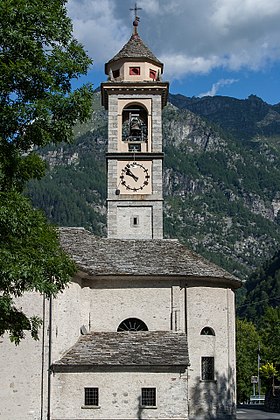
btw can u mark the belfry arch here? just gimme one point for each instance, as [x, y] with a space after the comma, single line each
[135, 125]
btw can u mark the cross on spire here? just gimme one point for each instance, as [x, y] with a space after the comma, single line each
[136, 20]
[135, 9]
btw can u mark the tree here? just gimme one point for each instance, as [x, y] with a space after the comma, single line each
[268, 371]
[30, 260]
[247, 342]
[270, 334]
[262, 290]
[38, 60]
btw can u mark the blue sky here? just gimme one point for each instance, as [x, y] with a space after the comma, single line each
[208, 47]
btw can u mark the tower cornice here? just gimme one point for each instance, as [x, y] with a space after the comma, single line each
[118, 88]
[134, 156]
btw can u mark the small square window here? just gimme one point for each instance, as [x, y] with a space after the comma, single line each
[207, 368]
[153, 74]
[134, 147]
[116, 73]
[134, 71]
[134, 221]
[148, 397]
[91, 396]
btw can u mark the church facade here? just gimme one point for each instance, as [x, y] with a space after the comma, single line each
[146, 329]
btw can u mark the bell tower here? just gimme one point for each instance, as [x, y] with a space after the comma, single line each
[134, 96]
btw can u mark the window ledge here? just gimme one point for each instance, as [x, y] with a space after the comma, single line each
[208, 380]
[148, 406]
[90, 406]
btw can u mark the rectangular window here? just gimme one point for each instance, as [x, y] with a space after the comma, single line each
[134, 147]
[134, 71]
[153, 74]
[148, 397]
[134, 221]
[91, 396]
[207, 368]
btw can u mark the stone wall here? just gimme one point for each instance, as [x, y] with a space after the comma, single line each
[111, 301]
[20, 367]
[101, 304]
[146, 204]
[23, 390]
[119, 395]
[212, 307]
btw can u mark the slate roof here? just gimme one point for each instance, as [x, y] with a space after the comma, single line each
[138, 349]
[127, 257]
[134, 49]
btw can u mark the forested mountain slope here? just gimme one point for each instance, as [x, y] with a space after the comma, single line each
[222, 193]
[262, 290]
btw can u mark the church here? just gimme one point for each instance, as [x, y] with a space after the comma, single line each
[146, 329]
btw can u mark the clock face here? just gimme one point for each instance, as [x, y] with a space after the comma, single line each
[135, 178]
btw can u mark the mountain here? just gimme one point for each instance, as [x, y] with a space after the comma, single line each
[222, 195]
[243, 118]
[221, 183]
[262, 290]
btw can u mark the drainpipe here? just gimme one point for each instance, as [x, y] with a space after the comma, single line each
[50, 361]
[186, 310]
[43, 358]
[186, 332]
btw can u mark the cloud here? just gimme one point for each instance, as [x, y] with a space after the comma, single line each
[216, 86]
[98, 28]
[159, 7]
[194, 36]
[178, 65]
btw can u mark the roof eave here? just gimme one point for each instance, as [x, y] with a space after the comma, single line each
[185, 279]
[133, 59]
[67, 368]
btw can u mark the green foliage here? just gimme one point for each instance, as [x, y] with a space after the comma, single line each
[70, 195]
[268, 370]
[270, 334]
[30, 260]
[261, 307]
[249, 337]
[247, 342]
[73, 192]
[38, 59]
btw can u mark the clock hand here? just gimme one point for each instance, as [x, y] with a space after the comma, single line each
[129, 173]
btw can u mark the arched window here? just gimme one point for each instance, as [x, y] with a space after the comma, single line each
[132, 324]
[207, 331]
[134, 124]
